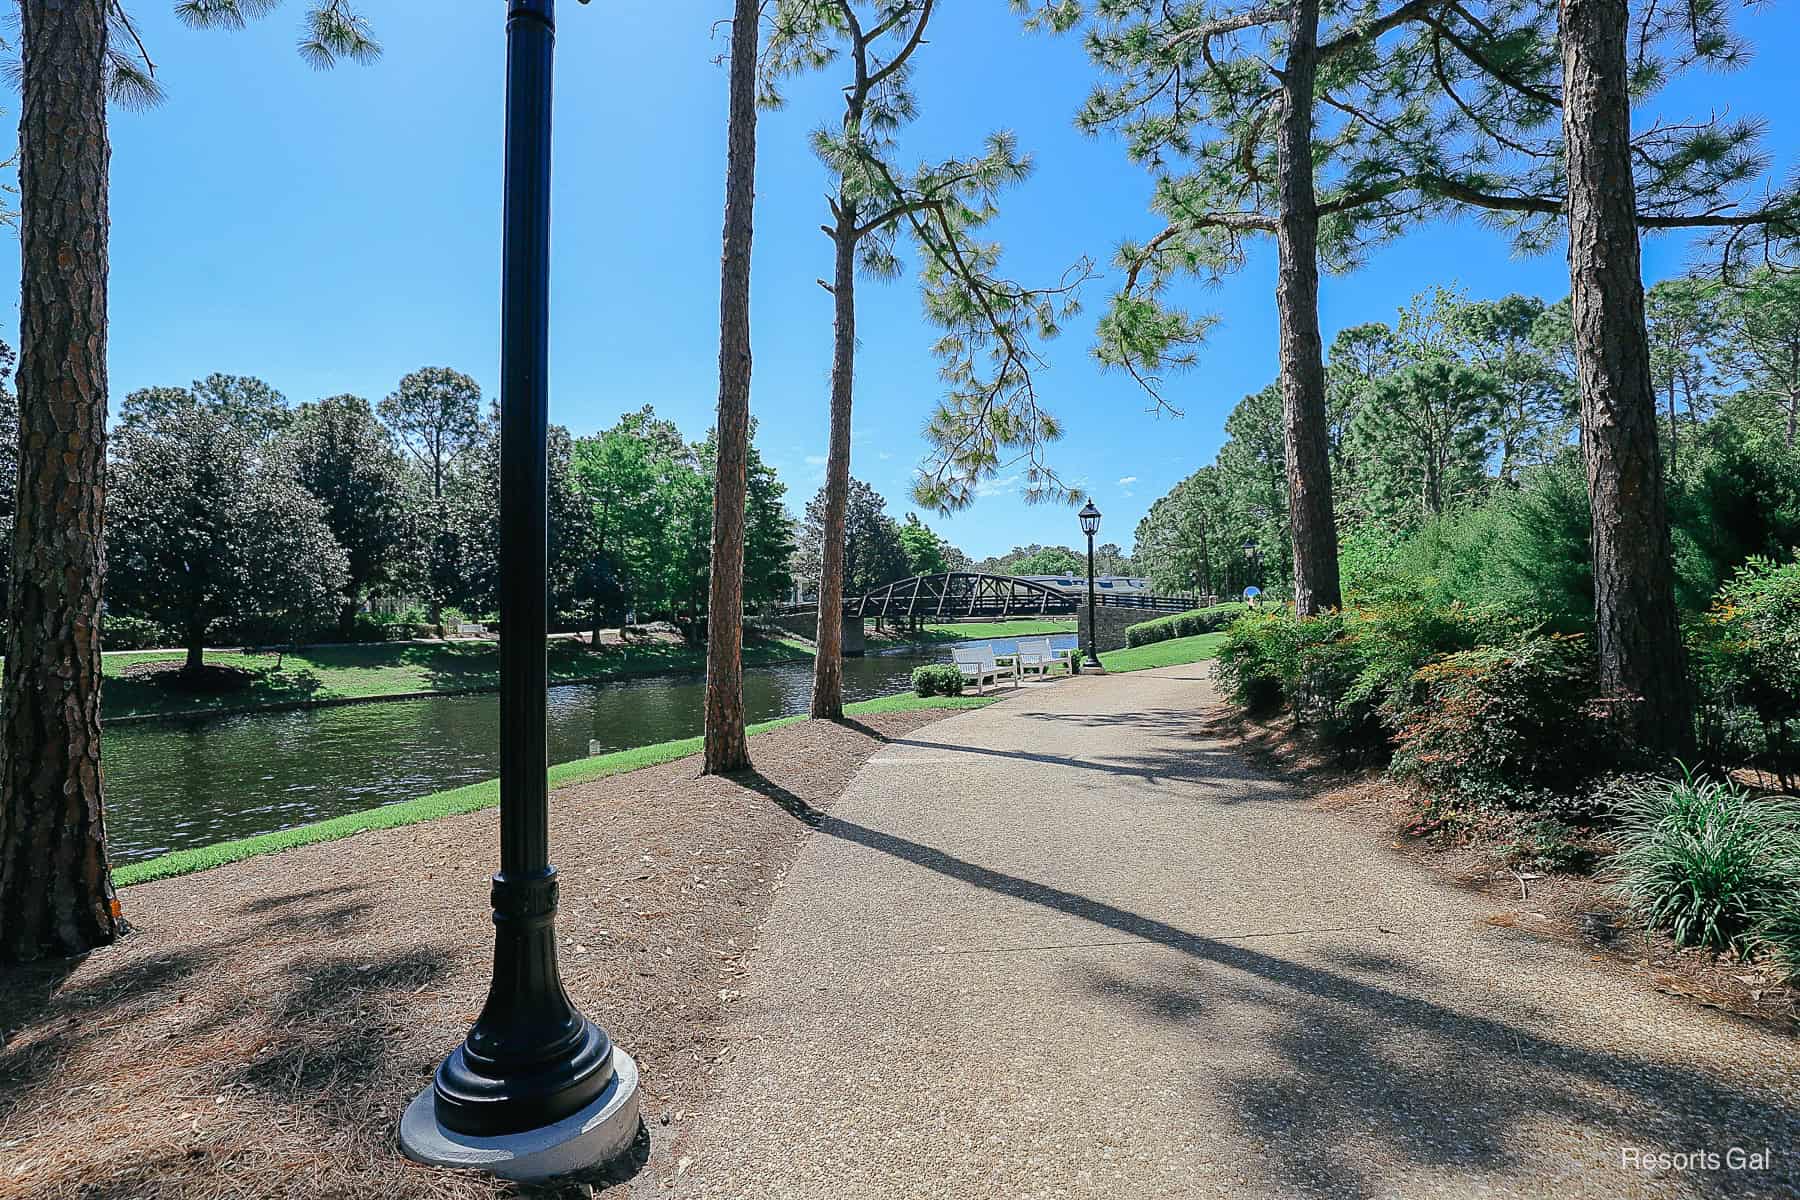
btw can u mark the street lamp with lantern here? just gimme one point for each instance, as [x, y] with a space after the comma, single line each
[536, 1089]
[1090, 525]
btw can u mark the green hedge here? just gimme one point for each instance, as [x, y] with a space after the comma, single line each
[937, 680]
[1180, 625]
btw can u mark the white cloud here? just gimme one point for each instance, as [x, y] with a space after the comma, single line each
[993, 487]
[815, 460]
[1128, 480]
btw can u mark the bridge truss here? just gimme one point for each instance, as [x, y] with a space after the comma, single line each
[962, 595]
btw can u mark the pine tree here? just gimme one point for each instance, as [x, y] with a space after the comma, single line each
[1682, 324]
[1761, 346]
[726, 746]
[56, 894]
[1425, 435]
[991, 411]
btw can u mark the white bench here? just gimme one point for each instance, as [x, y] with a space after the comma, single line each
[977, 663]
[1035, 655]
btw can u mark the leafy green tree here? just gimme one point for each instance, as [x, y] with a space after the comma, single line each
[873, 552]
[347, 460]
[214, 524]
[435, 414]
[1051, 560]
[925, 550]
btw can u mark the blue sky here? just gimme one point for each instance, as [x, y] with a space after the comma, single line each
[330, 231]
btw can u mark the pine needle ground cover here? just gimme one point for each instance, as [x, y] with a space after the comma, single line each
[477, 796]
[260, 1031]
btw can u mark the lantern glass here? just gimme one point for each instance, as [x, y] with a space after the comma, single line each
[1090, 519]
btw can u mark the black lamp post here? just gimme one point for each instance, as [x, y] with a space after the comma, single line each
[536, 1089]
[1253, 558]
[1090, 525]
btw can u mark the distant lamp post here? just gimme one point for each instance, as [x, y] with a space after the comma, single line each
[1090, 525]
[536, 1089]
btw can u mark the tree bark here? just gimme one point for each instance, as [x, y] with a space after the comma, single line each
[56, 892]
[828, 658]
[1305, 424]
[1637, 632]
[726, 747]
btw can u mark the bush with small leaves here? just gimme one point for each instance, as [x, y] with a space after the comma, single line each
[937, 680]
[1186, 624]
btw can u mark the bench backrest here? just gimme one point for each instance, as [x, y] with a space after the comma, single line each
[1037, 647]
[981, 655]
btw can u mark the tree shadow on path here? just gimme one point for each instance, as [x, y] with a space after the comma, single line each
[1366, 1070]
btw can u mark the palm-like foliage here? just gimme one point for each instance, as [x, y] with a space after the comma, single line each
[1703, 859]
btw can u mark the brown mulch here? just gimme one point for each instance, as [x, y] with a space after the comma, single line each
[1576, 908]
[263, 1027]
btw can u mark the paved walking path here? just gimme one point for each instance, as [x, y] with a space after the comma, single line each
[1066, 946]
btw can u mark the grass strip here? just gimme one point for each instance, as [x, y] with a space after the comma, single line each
[474, 796]
[1172, 653]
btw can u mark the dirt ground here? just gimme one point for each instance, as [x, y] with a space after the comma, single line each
[261, 1030]
[1573, 907]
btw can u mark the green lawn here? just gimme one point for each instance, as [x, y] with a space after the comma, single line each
[384, 669]
[976, 630]
[1172, 653]
[479, 795]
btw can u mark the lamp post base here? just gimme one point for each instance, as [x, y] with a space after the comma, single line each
[586, 1138]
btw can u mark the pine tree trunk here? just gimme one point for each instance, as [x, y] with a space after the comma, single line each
[1637, 632]
[56, 893]
[727, 749]
[1304, 420]
[828, 658]
[1674, 429]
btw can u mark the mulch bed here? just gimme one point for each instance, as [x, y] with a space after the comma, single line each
[1574, 908]
[263, 1027]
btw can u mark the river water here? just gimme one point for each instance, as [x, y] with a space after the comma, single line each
[172, 785]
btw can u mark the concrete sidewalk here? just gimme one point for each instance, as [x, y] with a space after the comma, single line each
[1066, 946]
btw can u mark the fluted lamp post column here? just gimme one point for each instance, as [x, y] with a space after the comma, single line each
[1090, 525]
[536, 1089]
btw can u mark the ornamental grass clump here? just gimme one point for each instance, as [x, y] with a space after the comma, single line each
[1705, 860]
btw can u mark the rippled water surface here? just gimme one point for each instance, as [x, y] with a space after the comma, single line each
[174, 785]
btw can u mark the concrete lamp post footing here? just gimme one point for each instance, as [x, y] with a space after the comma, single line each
[586, 1138]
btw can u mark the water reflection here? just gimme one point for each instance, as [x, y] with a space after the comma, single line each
[174, 785]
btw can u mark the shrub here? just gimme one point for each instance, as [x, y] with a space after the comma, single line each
[1345, 673]
[134, 633]
[1502, 723]
[1187, 624]
[1746, 654]
[1703, 859]
[937, 679]
[1543, 843]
